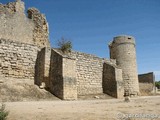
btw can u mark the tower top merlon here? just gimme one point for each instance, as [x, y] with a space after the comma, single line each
[20, 8]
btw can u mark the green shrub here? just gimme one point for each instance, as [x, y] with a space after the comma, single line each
[65, 45]
[3, 112]
[157, 84]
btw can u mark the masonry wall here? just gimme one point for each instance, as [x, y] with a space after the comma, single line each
[89, 73]
[41, 29]
[146, 83]
[63, 81]
[56, 79]
[47, 61]
[39, 68]
[43, 67]
[122, 48]
[112, 80]
[14, 24]
[17, 60]
[69, 79]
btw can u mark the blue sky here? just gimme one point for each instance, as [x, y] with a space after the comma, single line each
[92, 24]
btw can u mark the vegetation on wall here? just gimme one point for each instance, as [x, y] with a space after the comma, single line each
[65, 45]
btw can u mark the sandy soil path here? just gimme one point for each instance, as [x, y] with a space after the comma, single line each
[141, 108]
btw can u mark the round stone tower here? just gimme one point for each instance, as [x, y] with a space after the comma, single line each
[122, 48]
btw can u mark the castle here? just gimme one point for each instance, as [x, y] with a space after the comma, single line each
[25, 53]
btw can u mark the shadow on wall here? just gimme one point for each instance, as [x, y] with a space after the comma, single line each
[112, 81]
[39, 69]
[41, 78]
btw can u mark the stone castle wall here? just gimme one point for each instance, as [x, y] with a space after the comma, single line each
[75, 74]
[40, 32]
[39, 67]
[17, 60]
[123, 50]
[56, 75]
[21, 37]
[146, 83]
[16, 26]
[89, 69]
[42, 67]
[63, 82]
[112, 80]
[25, 52]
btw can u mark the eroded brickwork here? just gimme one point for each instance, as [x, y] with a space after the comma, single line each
[17, 59]
[63, 82]
[56, 77]
[89, 73]
[16, 26]
[79, 74]
[40, 32]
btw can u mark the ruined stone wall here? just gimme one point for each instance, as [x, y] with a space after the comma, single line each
[89, 70]
[56, 77]
[146, 83]
[14, 24]
[122, 48]
[113, 83]
[43, 67]
[69, 78]
[77, 73]
[40, 32]
[39, 68]
[17, 60]
[63, 81]
[47, 57]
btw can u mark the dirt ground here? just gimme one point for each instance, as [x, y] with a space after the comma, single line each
[141, 108]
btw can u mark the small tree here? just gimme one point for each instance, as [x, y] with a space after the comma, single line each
[157, 84]
[3, 112]
[65, 45]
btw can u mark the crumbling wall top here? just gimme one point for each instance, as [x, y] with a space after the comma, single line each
[41, 30]
[12, 7]
[16, 26]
